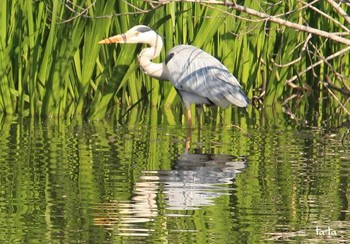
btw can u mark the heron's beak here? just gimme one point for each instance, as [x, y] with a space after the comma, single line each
[113, 39]
[122, 38]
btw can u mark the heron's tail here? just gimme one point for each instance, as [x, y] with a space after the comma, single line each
[237, 97]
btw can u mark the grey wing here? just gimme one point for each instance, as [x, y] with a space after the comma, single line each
[201, 78]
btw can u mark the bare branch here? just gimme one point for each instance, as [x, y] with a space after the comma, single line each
[293, 25]
[343, 91]
[83, 11]
[78, 14]
[271, 18]
[134, 7]
[334, 55]
[339, 10]
[299, 58]
[328, 17]
[335, 97]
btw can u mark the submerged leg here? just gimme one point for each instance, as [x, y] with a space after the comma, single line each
[189, 117]
[199, 113]
[199, 119]
[189, 134]
[188, 140]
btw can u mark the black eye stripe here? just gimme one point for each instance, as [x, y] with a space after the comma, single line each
[143, 29]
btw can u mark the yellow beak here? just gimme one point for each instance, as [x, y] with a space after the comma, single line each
[113, 39]
[122, 38]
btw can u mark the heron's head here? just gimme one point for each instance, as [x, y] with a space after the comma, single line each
[137, 34]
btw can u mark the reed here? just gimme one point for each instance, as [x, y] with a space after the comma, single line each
[51, 64]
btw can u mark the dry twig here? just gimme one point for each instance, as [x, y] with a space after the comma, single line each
[343, 91]
[334, 55]
[339, 10]
[267, 17]
[300, 55]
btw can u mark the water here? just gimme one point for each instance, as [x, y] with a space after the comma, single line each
[104, 182]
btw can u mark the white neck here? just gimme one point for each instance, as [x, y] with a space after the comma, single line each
[156, 70]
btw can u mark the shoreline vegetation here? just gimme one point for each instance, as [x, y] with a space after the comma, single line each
[52, 66]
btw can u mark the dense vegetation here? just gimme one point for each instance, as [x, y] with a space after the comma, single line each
[61, 177]
[52, 65]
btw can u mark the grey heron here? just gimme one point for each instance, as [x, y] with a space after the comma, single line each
[198, 77]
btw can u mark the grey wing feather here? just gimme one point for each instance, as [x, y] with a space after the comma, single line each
[201, 78]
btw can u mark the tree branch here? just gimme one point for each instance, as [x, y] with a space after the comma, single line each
[268, 17]
[328, 17]
[335, 97]
[343, 91]
[347, 49]
[339, 10]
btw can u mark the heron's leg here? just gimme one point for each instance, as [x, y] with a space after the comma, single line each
[189, 134]
[188, 140]
[199, 113]
[189, 117]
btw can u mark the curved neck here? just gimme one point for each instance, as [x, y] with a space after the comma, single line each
[155, 70]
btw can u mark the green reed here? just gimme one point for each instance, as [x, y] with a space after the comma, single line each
[52, 64]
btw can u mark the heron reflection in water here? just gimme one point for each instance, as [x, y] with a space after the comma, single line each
[198, 77]
[195, 180]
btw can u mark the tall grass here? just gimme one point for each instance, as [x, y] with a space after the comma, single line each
[54, 67]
